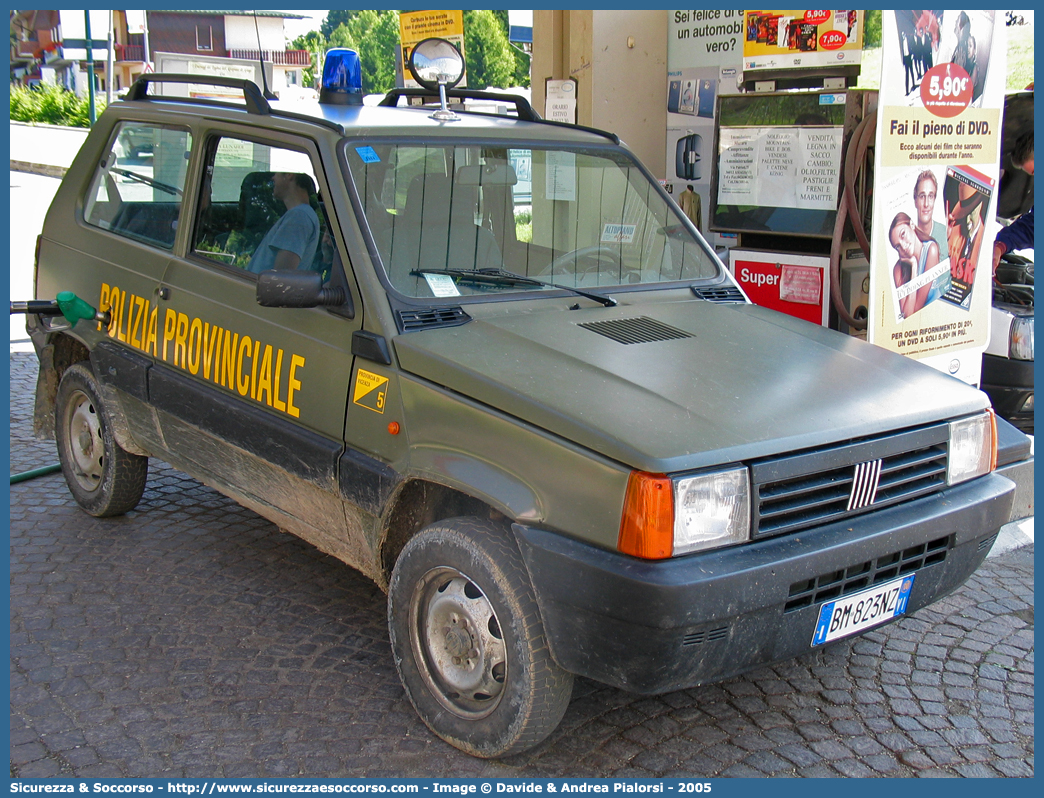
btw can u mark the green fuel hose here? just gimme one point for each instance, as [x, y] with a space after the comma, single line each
[36, 472]
[74, 309]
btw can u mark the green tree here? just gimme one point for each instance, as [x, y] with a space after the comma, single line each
[315, 43]
[336, 18]
[872, 29]
[521, 71]
[522, 68]
[489, 58]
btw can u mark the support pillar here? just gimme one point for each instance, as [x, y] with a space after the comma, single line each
[619, 62]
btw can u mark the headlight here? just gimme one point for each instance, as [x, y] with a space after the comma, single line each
[973, 448]
[666, 517]
[1020, 341]
[711, 510]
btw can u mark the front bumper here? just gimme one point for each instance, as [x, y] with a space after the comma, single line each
[657, 626]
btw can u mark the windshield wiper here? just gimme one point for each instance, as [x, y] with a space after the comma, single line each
[497, 276]
[148, 181]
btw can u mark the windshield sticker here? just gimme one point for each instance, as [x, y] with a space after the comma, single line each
[442, 285]
[618, 233]
[371, 390]
[368, 154]
[560, 176]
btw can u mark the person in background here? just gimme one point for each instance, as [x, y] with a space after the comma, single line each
[291, 242]
[692, 206]
[1019, 234]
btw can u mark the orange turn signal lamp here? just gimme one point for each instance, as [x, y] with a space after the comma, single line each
[993, 435]
[647, 525]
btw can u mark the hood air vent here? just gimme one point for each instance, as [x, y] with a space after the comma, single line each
[414, 320]
[725, 293]
[641, 330]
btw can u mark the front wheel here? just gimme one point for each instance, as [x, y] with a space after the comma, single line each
[103, 477]
[468, 641]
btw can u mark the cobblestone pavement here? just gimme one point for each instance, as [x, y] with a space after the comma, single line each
[191, 638]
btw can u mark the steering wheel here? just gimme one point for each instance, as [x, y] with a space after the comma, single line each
[580, 253]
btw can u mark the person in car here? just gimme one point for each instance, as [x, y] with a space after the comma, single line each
[291, 242]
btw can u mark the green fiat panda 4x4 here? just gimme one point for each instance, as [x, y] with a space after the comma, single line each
[485, 360]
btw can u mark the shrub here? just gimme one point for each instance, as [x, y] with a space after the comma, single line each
[52, 105]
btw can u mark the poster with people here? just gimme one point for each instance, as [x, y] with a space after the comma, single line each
[967, 193]
[936, 174]
[964, 41]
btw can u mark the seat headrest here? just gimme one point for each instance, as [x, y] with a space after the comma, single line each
[500, 174]
[432, 200]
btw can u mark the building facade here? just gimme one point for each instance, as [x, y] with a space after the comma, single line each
[50, 46]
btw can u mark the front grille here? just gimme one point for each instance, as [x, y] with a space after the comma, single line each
[835, 584]
[640, 330]
[817, 487]
[413, 320]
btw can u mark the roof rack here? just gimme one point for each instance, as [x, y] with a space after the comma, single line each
[255, 100]
[525, 111]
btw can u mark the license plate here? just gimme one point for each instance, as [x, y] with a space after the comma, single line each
[855, 613]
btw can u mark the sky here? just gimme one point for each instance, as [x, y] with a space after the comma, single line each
[297, 27]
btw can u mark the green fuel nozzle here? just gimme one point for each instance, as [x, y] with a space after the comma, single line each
[74, 309]
[65, 304]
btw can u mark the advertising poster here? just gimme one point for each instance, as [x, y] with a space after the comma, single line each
[788, 39]
[416, 26]
[937, 171]
[704, 60]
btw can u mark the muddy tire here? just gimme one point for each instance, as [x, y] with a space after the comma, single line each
[469, 643]
[104, 478]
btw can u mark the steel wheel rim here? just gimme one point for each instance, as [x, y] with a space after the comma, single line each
[458, 643]
[84, 444]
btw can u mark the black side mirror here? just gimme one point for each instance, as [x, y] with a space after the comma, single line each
[298, 289]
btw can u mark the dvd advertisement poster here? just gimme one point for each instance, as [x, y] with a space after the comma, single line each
[801, 39]
[704, 60]
[936, 176]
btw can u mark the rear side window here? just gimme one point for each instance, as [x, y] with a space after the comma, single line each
[140, 182]
[260, 210]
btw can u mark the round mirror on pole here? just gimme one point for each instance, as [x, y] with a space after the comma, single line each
[437, 63]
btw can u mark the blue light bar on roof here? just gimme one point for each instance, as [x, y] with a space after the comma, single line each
[342, 78]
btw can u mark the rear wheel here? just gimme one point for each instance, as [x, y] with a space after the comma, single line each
[104, 478]
[468, 641]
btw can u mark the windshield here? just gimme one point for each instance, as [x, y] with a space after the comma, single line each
[572, 217]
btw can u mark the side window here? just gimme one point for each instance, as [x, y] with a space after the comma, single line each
[259, 210]
[138, 186]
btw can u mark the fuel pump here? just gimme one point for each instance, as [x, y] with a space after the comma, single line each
[790, 180]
